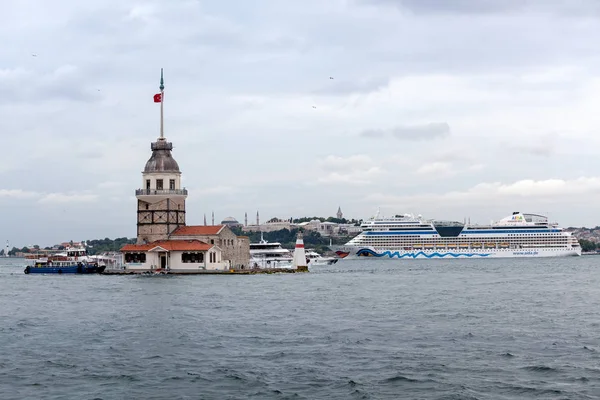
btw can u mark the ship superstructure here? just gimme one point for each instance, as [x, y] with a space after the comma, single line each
[407, 236]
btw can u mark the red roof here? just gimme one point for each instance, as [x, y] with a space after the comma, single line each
[190, 230]
[170, 245]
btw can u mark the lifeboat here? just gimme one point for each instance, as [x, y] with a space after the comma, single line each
[476, 245]
[490, 245]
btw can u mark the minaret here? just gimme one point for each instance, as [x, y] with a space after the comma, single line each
[161, 201]
[204, 219]
[213, 218]
[299, 254]
[245, 219]
[339, 214]
[257, 219]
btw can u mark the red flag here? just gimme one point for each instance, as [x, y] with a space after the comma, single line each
[158, 98]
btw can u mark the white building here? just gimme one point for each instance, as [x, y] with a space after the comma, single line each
[178, 256]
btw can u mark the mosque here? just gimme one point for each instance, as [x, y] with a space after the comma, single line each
[164, 241]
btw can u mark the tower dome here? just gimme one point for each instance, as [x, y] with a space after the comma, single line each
[161, 159]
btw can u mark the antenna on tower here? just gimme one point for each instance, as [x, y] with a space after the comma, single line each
[162, 101]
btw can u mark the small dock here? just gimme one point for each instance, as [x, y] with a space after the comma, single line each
[253, 271]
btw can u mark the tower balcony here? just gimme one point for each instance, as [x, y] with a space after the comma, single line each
[161, 192]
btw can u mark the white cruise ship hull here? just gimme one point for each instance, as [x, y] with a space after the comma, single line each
[357, 252]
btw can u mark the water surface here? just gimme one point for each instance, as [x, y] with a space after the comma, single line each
[368, 329]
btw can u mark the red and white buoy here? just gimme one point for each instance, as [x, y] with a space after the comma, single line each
[299, 254]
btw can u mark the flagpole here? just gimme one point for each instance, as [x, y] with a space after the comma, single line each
[162, 100]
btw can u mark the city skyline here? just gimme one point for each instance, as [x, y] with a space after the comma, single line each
[269, 107]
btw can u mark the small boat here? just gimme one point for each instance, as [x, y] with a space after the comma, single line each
[314, 258]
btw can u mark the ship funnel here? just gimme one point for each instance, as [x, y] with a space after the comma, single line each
[299, 254]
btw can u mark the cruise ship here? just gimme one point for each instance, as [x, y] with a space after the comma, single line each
[407, 237]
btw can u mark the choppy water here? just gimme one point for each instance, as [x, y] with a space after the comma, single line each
[430, 329]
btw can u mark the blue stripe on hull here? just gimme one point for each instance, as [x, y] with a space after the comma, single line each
[53, 270]
[85, 269]
[464, 232]
[371, 253]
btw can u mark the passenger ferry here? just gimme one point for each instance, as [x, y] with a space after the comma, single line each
[407, 236]
[269, 255]
[70, 261]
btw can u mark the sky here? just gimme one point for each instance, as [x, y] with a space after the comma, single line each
[451, 109]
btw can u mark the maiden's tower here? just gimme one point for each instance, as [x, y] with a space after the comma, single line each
[161, 201]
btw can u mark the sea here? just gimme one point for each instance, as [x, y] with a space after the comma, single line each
[364, 329]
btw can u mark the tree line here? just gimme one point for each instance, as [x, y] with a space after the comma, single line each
[95, 246]
[588, 245]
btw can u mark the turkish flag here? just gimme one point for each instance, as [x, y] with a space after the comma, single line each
[157, 98]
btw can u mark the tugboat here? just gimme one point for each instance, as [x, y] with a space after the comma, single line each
[72, 261]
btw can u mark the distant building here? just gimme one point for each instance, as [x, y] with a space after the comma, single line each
[339, 214]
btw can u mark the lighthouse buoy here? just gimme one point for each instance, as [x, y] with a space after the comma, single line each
[299, 262]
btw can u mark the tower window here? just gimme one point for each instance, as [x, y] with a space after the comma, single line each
[146, 206]
[147, 184]
[172, 184]
[159, 184]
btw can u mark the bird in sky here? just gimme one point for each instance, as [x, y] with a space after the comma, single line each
[331, 77]
[34, 55]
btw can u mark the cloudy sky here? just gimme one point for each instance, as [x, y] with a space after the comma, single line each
[451, 109]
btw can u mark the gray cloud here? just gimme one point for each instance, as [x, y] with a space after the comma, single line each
[559, 7]
[415, 132]
[240, 81]
[454, 6]
[66, 82]
[345, 87]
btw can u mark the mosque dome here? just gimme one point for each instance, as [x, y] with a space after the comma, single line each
[161, 159]
[230, 221]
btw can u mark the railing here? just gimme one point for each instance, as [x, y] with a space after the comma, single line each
[152, 192]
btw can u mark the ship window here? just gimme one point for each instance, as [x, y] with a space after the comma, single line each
[159, 184]
[171, 184]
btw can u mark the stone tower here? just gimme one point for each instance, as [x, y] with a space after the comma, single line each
[339, 214]
[161, 201]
